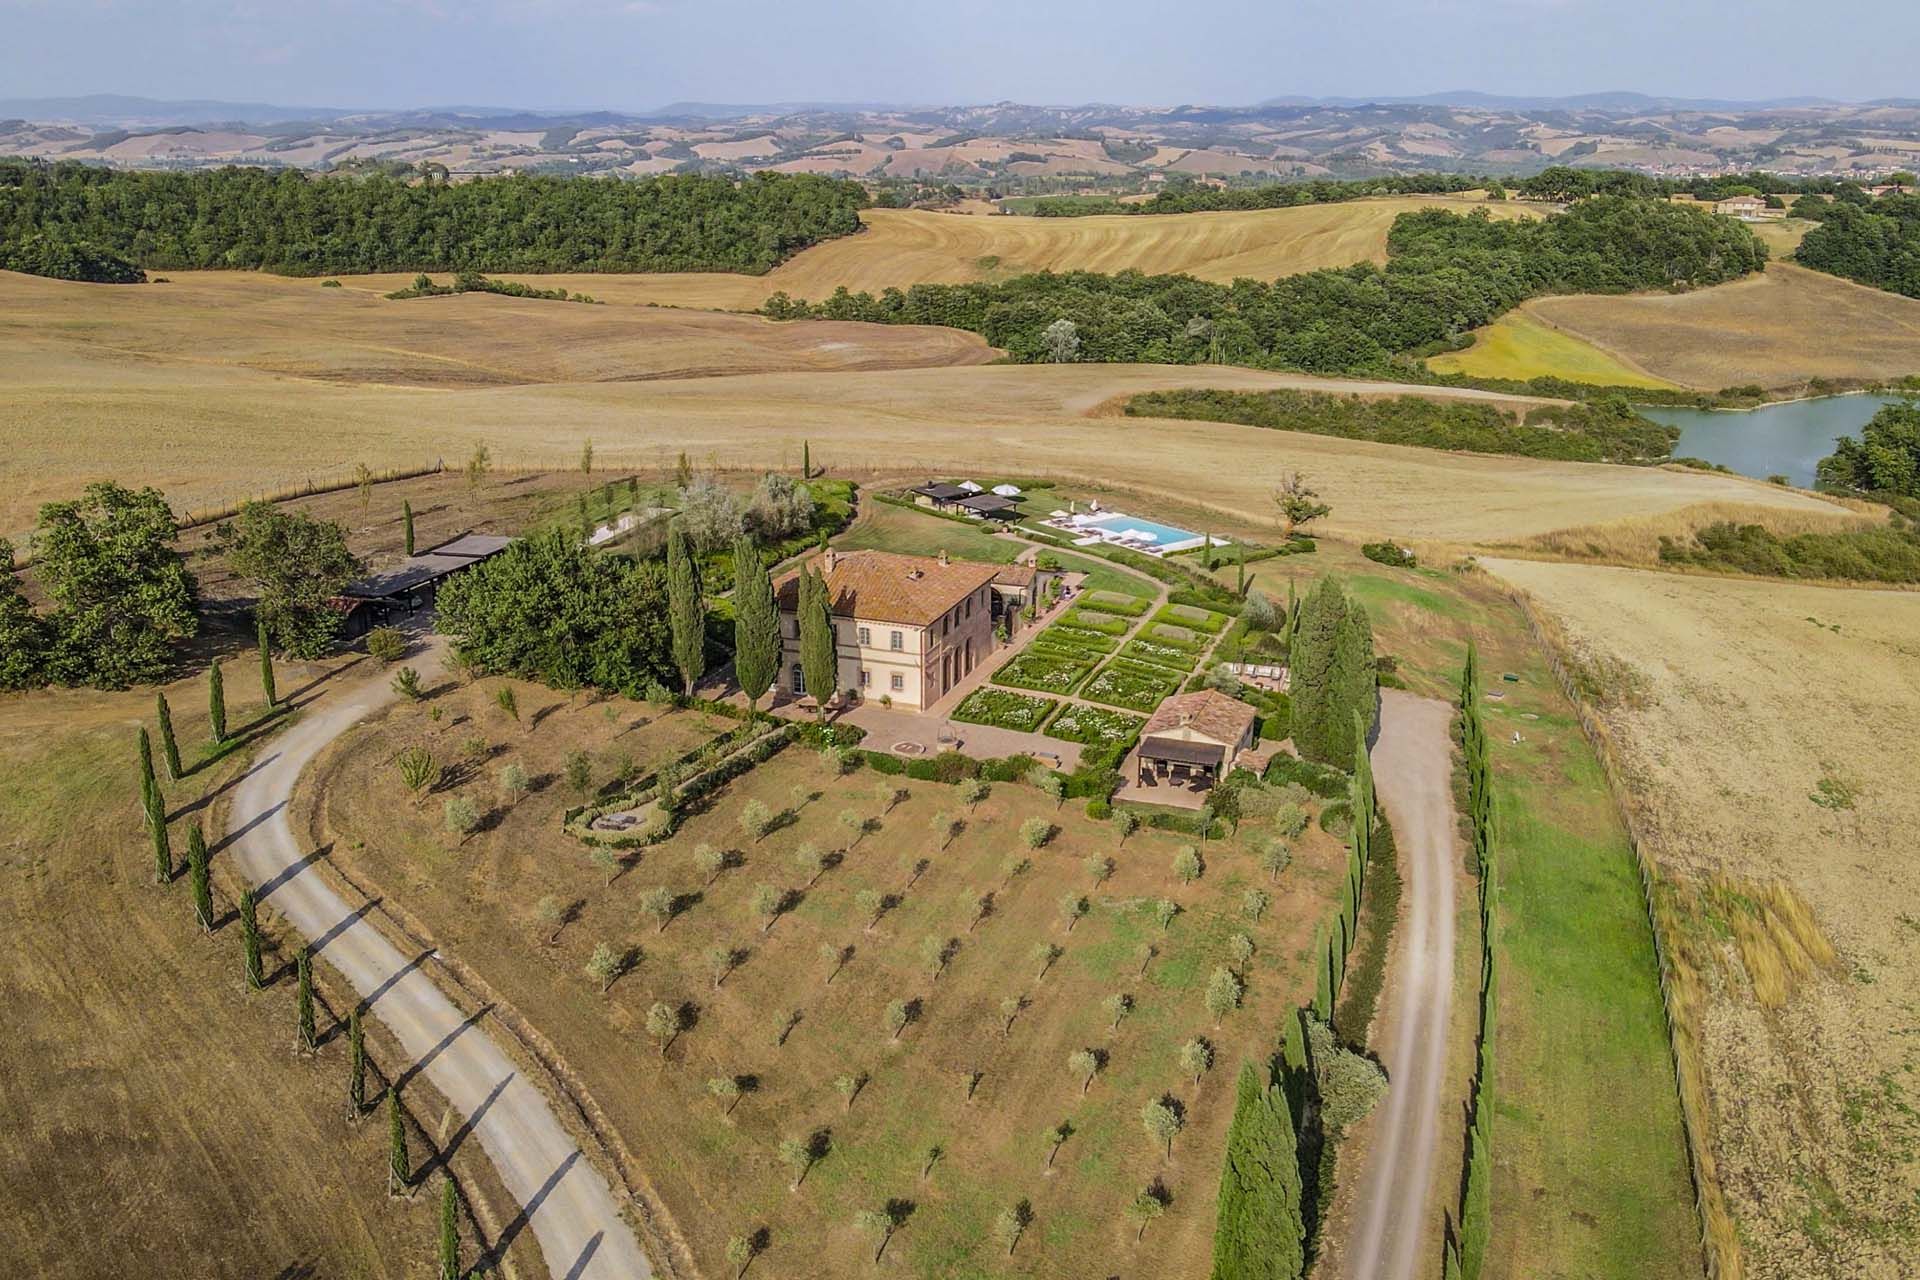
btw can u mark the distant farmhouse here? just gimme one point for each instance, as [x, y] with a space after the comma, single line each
[907, 628]
[1747, 208]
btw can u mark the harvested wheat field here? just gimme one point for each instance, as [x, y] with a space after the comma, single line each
[212, 433]
[1635, 540]
[352, 334]
[902, 247]
[1768, 738]
[1776, 329]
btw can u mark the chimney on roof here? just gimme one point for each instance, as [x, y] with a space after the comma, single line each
[943, 558]
[828, 558]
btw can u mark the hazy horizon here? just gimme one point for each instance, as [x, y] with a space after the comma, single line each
[639, 55]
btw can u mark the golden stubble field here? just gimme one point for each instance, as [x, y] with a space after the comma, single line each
[1769, 733]
[1776, 329]
[166, 388]
[902, 247]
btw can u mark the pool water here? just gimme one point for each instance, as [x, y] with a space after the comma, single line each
[1163, 535]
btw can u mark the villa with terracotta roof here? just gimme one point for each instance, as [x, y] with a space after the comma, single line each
[907, 628]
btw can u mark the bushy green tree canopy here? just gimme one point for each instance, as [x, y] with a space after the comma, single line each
[1884, 459]
[296, 565]
[300, 223]
[121, 594]
[553, 610]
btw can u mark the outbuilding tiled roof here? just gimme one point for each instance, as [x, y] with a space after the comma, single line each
[1208, 712]
[887, 587]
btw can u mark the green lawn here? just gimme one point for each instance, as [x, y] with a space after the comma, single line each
[891, 528]
[1590, 1172]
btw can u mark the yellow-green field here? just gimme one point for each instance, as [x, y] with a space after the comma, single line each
[1520, 345]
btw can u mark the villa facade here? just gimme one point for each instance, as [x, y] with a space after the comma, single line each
[906, 628]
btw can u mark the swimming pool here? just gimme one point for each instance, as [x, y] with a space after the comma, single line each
[1164, 537]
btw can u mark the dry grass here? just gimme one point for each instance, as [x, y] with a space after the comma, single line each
[1777, 329]
[717, 1174]
[159, 1120]
[1521, 345]
[1774, 773]
[181, 409]
[902, 247]
[1635, 540]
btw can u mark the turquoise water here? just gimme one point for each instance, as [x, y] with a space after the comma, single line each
[1775, 439]
[1163, 535]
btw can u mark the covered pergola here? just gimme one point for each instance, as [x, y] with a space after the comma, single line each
[1181, 758]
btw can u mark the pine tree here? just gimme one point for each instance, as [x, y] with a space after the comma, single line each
[268, 689]
[399, 1159]
[356, 1064]
[686, 610]
[406, 518]
[756, 623]
[450, 1221]
[1259, 1234]
[197, 866]
[169, 745]
[250, 936]
[1317, 714]
[819, 657]
[217, 704]
[303, 970]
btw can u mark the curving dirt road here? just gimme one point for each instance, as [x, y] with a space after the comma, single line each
[1392, 1230]
[568, 1204]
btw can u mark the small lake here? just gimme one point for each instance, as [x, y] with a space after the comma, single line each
[1775, 439]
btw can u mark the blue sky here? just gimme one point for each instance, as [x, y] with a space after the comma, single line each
[632, 54]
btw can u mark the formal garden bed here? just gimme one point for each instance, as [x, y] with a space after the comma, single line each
[1134, 685]
[1143, 649]
[1047, 672]
[1097, 620]
[1004, 709]
[1193, 618]
[1063, 638]
[1094, 726]
[1114, 602]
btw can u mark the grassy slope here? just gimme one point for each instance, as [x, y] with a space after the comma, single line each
[1519, 345]
[159, 1121]
[1591, 1178]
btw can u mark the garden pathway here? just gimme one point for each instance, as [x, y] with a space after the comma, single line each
[567, 1202]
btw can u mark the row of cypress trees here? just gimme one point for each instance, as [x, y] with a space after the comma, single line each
[1466, 1248]
[399, 1156]
[1261, 1231]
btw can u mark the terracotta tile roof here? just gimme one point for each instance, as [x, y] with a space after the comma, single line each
[886, 587]
[1207, 712]
[1014, 575]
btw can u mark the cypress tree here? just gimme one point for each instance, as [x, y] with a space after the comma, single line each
[1240, 587]
[1293, 1061]
[1356, 684]
[202, 880]
[356, 1064]
[1476, 1209]
[268, 689]
[406, 518]
[157, 828]
[250, 936]
[169, 745]
[399, 1160]
[756, 623]
[806, 460]
[147, 783]
[217, 703]
[1259, 1234]
[819, 657]
[303, 968]
[1323, 984]
[1317, 715]
[449, 1231]
[686, 610]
